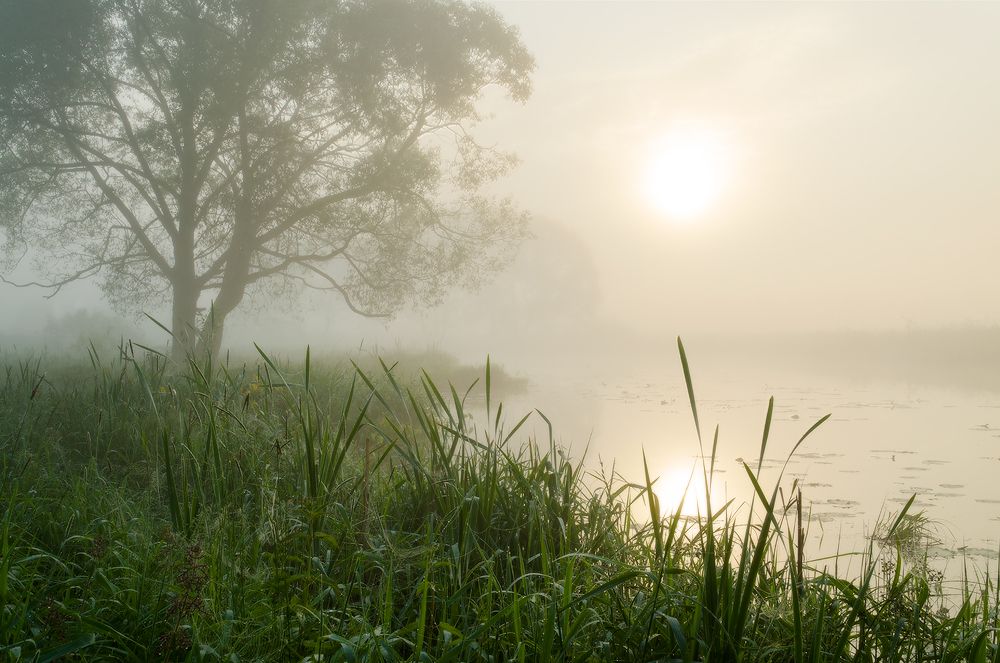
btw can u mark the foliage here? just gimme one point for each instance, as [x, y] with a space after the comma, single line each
[200, 150]
[308, 512]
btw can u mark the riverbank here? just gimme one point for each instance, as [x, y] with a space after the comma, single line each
[306, 511]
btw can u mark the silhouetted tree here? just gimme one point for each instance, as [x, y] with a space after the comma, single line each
[193, 150]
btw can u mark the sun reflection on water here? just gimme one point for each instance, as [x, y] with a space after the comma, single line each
[682, 485]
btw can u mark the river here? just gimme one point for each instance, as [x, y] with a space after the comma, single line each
[884, 441]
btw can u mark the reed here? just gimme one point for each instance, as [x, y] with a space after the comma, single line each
[320, 511]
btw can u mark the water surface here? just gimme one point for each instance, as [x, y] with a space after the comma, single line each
[884, 442]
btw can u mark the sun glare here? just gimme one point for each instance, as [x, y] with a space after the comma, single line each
[679, 486]
[686, 174]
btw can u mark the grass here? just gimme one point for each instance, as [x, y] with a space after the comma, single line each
[307, 512]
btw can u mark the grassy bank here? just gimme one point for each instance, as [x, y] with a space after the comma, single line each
[274, 511]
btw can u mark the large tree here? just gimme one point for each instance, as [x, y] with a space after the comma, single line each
[197, 150]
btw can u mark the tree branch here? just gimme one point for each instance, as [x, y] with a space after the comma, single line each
[56, 286]
[163, 212]
[334, 285]
[126, 212]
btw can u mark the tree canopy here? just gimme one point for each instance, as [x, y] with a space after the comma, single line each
[198, 151]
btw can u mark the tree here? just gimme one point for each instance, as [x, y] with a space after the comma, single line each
[198, 151]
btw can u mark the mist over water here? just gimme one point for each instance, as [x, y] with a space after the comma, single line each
[887, 439]
[513, 330]
[842, 255]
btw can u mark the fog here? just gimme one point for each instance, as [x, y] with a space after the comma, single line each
[858, 199]
[861, 148]
[805, 193]
[861, 194]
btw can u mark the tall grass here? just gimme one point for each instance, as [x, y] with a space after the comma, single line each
[279, 511]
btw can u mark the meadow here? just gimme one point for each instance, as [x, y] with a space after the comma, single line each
[306, 510]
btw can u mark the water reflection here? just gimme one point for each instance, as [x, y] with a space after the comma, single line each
[884, 442]
[682, 485]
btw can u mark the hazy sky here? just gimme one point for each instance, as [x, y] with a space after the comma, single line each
[864, 141]
[859, 184]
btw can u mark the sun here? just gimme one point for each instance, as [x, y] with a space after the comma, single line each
[686, 174]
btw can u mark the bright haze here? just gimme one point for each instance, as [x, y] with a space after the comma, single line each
[836, 169]
[835, 165]
[807, 193]
[702, 168]
[859, 141]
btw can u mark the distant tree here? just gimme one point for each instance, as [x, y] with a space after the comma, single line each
[196, 150]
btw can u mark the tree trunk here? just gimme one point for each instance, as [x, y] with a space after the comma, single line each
[183, 322]
[183, 279]
[230, 295]
[210, 336]
[236, 274]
